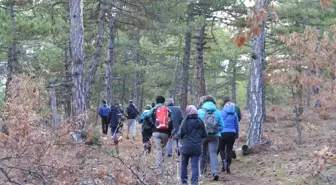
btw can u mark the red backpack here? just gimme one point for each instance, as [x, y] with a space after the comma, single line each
[161, 118]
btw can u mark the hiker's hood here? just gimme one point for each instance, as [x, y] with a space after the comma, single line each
[209, 105]
[229, 109]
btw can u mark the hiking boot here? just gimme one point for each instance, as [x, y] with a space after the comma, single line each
[228, 171]
[215, 177]
[223, 169]
[133, 138]
[127, 137]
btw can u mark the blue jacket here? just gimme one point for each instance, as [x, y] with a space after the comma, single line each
[191, 134]
[210, 106]
[230, 118]
[104, 111]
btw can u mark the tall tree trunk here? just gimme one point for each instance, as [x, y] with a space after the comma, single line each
[91, 74]
[77, 54]
[173, 86]
[137, 81]
[123, 87]
[13, 66]
[233, 80]
[215, 83]
[200, 62]
[257, 98]
[186, 62]
[110, 61]
[68, 79]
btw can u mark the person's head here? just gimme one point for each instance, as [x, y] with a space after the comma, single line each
[170, 102]
[104, 101]
[130, 101]
[160, 99]
[225, 100]
[191, 109]
[209, 98]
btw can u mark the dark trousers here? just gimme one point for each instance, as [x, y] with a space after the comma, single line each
[146, 135]
[194, 169]
[226, 143]
[105, 124]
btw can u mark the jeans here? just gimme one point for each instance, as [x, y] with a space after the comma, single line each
[170, 144]
[209, 148]
[226, 145]
[105, 124]
[194, 169]
[131, 126]
[160, 140]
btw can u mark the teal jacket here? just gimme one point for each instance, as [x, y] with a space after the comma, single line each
[210, 106]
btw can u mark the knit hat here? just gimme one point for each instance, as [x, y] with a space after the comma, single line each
[209, 98]
[170, 101]
[191, 109]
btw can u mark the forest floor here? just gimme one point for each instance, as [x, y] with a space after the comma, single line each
[284, 162]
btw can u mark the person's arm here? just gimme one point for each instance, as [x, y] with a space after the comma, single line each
[239, 114]
[141, 118]
[204, 132]
[220, 121]
[180, 132]
[237, 127]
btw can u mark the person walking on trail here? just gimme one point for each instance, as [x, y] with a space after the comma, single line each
[163, 126]
[214, 124]
[177, 119]
[146, 129]
[191, 134]
[114, 118]
[227, 101]
[229, 134]
[104, 112]
[132, 112]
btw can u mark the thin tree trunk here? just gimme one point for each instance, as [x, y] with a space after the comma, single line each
[257, 101]
[53, 107]
[248, 94]
[77, 54]
[123, 88]
[137, 82]
[186, 62]
[99, 97]
[215, 83]
[91, 74]
[233, 80]
[109, 61]
[172, 89]
[200, 62]
[68, 78]
[13, 66]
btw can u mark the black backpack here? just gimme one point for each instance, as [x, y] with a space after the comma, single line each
[147, 124]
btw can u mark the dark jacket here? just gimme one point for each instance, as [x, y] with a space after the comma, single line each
[177, 117]
[129, 109]
[115, 116]
[191, 134]
[151, 115]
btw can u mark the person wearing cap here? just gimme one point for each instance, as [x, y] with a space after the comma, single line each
[132, 112]
[210, 144]
[177, 119]
[191, 134]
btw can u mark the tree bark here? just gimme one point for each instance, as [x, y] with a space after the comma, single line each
[232, 64]
[91, 74]
[186, 63]
[248, 94]
[200, 62]
[77, 54]
[13, 66]
[109, 61]
[137, 81]
[257, 98]
[68, 87]
[173, 86]
[123, 87]
[215, 83]
[53, 107]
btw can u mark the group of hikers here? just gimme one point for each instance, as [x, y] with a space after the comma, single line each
[199, 134]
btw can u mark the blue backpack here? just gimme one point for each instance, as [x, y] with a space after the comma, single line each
[104, 111]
